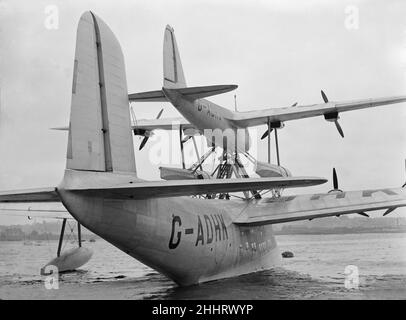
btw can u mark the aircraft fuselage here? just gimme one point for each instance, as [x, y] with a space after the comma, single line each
[212, 121]
[190, 240]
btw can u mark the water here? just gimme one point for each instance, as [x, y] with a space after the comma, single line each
[315, 272]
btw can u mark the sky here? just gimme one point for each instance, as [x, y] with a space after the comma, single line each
[277, 52]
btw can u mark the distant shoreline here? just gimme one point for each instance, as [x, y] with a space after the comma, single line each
[329, 231]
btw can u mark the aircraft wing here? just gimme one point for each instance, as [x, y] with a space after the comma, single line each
[260, 117]
[162, 124]
[41, 202]
[308, 207]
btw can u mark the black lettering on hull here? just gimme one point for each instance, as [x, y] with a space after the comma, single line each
[200, 236]
[215, 230]
[209, 230]
[175, 220]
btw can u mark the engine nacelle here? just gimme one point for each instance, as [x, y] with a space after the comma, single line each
[332, 116]
[143, 132]
[277, 125]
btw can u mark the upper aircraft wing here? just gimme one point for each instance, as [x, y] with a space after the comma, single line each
[329, 109]
[308, 207]
[143, 125]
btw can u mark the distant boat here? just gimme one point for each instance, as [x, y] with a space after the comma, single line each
[287, 254]
[92, 240]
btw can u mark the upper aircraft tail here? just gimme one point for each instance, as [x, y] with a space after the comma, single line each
[173, 71]
[174, 78]
[99, 129]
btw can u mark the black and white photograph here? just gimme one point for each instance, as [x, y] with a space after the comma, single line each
[203, 150]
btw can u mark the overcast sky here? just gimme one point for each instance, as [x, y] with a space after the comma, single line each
[277, 52]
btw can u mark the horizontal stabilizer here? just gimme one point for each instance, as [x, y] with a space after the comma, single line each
[175, 188]
[189, 92]
[34, 203]
[30, 195]
[205, 91]
[148, 96]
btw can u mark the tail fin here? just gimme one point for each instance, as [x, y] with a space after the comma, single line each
[173, 72]
[99, 130]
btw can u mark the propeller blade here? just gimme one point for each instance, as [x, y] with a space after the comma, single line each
[335, 180]
[144, 141]
[132, 114]
[266, 134]
[340, 130]
[363, 214]
[388, 211]
[160, 113]
[323, 95]
[294, 105]
[186, 139]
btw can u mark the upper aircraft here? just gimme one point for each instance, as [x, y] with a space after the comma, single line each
[162, 223]
[200, 114]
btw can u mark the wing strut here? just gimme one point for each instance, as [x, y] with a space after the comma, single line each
[269, 140]
[277, 147]
[181, 146]
[58, 253]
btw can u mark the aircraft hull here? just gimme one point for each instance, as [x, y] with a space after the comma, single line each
[189, 240]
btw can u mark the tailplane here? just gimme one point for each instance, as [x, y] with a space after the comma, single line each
[174, 78]
[99, 129]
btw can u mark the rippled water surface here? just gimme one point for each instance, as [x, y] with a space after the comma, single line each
[315, 272]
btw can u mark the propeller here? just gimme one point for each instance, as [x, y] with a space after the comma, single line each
[335, 182]
[144, 141]
[186, 139]
[363, 214]
[266, 134]
[323, 95]
[335, 189]
[340, 130]
[335, 118]
[388, 211]
[266, 131]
